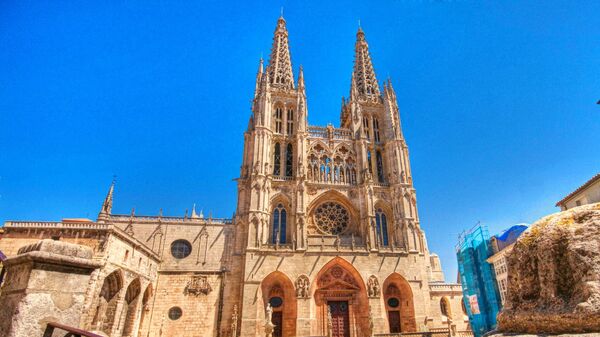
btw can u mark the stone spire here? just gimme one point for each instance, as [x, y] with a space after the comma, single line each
[301, 79]
[258, 77]
[280, 64]
[106, 209]
[194, 215]
[363, 76]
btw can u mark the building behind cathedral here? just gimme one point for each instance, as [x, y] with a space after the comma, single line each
[326, 233]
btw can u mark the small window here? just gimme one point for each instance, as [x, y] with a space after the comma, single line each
[393, 302]
[126, 256]
[578, 202]
[276, 302]
[181, 249]
[175, 313]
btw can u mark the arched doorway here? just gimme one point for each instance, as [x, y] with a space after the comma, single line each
[106, 305]
[399, 304]
[130, 307]
[341, 300]
[278, 290]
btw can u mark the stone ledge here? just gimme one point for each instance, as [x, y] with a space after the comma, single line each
[52, 258]
[58, 248]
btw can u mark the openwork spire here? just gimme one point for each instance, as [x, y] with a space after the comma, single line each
[280, 64]
[364, 80]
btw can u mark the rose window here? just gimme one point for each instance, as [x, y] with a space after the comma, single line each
[332, 218]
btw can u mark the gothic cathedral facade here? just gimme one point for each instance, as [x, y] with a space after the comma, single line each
[328, 228]
[326, 239]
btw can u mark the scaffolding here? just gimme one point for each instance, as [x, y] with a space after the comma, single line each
[480, 291]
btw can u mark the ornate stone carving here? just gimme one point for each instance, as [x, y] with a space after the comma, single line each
[373, 288]
[302, 285]
[234, 321]
[198, 285]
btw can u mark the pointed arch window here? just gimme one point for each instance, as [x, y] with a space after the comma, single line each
[278, 120]
[277, 160]
[381, 227]
[366, 127]
[279, 225]
[289, 160]
[379, 160]
[290, 121]
[369, 162]
[376, 129]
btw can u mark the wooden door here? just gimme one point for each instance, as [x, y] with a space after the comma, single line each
[340, 318]
[394, 318]
[277, 320]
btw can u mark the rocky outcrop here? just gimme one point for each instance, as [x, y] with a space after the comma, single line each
[554, 275]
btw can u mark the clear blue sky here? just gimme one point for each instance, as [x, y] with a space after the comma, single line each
[497, 101]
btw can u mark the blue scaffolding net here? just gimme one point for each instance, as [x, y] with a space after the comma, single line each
[480, 292]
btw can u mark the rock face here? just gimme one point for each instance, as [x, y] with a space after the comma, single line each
[45, 282]
[554, 275]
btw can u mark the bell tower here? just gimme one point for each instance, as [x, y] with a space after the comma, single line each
[274, 144]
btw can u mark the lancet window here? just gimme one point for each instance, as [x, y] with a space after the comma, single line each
[366, 127]
[290, 121]
[289, 160]
[381, 227]
[376, 129]
[277, 160]
[379, 159]
[278, 120]
[279, 225]
[369, 161]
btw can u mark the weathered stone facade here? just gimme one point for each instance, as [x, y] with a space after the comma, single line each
[326, 232]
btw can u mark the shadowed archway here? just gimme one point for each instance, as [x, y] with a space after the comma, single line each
[399, 304]
[278, 289]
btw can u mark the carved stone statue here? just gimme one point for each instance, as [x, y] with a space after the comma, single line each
[269, 326]
[269, 313]
[198, 285]
[302, 284]
[373, 288]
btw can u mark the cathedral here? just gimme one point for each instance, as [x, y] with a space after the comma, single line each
[325, 240]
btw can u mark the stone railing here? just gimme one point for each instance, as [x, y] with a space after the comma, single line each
[55, 224]
[333, 243]
[445, 287]
[171, 219]
[329, 132]
[282, 178]
[317, 132]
